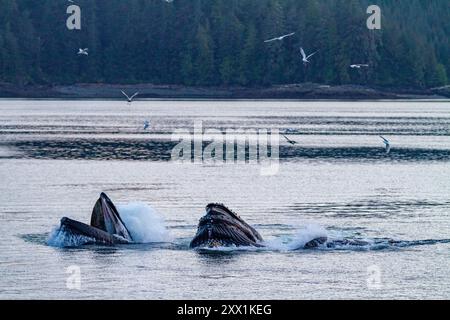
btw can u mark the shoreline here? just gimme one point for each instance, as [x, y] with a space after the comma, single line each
[304, 91]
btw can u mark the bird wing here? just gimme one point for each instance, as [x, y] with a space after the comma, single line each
[134, 95]
[287, 35]
[303, 53]
[125, 94]
[386, 141]
[287, 139]
[311, 55]
[270, 40]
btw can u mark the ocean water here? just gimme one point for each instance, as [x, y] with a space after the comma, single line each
[57, 156]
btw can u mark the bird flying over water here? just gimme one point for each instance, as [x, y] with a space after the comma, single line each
[358, 66]
[130, 99]
[280, 38]
[146, 124]
[292, 142]
[83, 52]
[387, 144]
[306, 58]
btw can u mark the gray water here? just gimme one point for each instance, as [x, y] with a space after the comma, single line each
[57, 156]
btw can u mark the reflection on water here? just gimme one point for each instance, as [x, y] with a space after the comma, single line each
[161, 151]
[391, 211]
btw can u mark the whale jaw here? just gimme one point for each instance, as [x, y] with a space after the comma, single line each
[106, 217]
[221, 227]
[106, 226]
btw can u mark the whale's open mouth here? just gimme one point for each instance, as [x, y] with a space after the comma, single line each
[106, 225]
[106, 217]
[221, 227]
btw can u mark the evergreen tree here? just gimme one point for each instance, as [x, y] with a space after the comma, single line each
[221, 42]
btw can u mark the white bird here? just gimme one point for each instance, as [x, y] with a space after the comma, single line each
[304, 57]
[358, 66]
[281, 37]
[387, 144]
[130, 99]
[83, 52]
[292, 142]
[146, 124]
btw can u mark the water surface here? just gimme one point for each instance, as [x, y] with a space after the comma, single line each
[57, 156]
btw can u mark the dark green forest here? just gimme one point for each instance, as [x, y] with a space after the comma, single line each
[221, 42]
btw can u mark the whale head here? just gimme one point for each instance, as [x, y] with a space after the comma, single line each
[106, 217]
[221, 227]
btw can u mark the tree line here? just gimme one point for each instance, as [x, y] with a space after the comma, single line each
[221, 42]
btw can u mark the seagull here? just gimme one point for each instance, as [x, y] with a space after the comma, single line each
[281, 37]
[146, 124]
[130, 99]
[358, 66]
[304, 57]
[83, 52]
[292, 142]
[387, 144]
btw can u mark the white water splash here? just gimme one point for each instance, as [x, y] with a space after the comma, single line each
[61, 238]
[298, 241]
[144, 223]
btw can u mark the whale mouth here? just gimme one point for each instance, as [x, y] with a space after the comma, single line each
[221, 227]
[106, 217]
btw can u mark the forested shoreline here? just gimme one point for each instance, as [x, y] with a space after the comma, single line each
[221, 43]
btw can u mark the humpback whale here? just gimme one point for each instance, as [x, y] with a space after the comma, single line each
[221, 227]
[106, 225]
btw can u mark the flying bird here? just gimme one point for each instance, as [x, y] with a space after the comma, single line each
[292, 142]
[306, 58]
[130, 99]
[387, 144]
[281, 37]
[83, 52]
[358, 66]
[146, 124]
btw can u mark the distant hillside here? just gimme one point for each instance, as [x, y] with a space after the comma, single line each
[221, 42]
